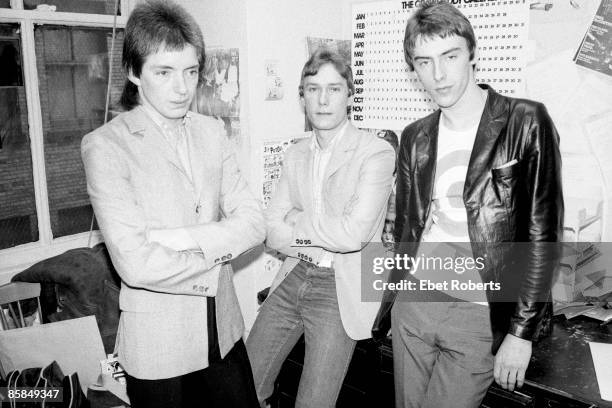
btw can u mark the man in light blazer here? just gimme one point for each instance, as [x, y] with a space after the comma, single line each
[173, 209]
[330, 202]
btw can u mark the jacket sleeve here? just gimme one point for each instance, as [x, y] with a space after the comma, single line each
[348, 232]
[241, 226]
[545, 221]
[279, 232]
[141, 264]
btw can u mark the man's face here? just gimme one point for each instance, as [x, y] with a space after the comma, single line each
[326, 98]
[444, 67]
[168, 81]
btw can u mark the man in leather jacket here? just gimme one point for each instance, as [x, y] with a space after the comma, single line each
[484, 169]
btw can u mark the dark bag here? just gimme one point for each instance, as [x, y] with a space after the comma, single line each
[50, 376]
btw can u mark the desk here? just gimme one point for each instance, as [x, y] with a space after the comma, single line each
[562, 363]
[561, 373]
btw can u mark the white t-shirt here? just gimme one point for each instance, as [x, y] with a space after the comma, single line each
[447, 220]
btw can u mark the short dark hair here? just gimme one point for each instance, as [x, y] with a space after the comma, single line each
[323, 55]
[152, 26]
[436, 18]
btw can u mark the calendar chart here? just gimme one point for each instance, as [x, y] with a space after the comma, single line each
[389, 96]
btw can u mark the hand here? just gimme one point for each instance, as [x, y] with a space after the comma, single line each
[511, 362]
[176, 239]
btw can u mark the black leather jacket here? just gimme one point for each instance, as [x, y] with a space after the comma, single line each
[522, 202]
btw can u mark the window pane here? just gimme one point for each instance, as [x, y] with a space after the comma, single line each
[73, 71]
[18, 223]
[5, 3]
[77, 6]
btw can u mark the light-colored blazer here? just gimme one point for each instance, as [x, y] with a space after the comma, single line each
[356, 187]
[136, 183]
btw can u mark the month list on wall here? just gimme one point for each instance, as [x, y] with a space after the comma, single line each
[389, 96]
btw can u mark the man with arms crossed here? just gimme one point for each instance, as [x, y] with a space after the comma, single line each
[173, 209]
[446, 354]
[331, 201]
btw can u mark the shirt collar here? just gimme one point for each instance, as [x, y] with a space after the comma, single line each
[315, 146]
[160, 121]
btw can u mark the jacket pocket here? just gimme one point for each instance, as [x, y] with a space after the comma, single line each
[506, 172]
[507, 183]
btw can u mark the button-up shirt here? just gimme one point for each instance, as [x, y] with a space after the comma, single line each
[321, 158]
[177, 138]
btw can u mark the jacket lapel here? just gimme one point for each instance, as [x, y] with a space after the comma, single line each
[304, 172]
[343, 151]
[199, 157]
[425, 151]
[139, 123]
[491, 125]
[424, 156]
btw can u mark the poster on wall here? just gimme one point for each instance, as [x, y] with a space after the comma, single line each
[343, 47]
[388, 96]
[595, 51]
[273, 153]
[274, 82]
[218, 94]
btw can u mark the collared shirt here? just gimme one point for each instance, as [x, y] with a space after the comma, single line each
[177, 138]
[321, 158]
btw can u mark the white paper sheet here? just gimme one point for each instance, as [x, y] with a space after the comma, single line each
[75, 344]
[552, 81]
[602, 360]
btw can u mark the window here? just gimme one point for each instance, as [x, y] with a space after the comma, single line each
[74, 6]
[72, 64]
[18, 221]
[54, 74]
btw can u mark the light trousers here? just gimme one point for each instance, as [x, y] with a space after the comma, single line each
[304, 303]
[441, 354]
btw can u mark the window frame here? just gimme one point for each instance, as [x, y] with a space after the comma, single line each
[20, 257]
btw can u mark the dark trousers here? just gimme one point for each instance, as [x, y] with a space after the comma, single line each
[226, 382]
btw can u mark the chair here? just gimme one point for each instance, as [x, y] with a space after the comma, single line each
[11, 295]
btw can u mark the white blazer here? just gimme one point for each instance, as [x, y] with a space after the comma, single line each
[356, 188]
[136, 183]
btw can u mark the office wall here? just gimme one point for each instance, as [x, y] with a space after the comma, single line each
[223, 25]
[276, 30]
[264, 30]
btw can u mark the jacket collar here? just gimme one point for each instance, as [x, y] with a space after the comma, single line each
[341, 154]
[138, 120]
[340, 134]
[492, 123]
[342, 150]
[493, 115]
[141, 124]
